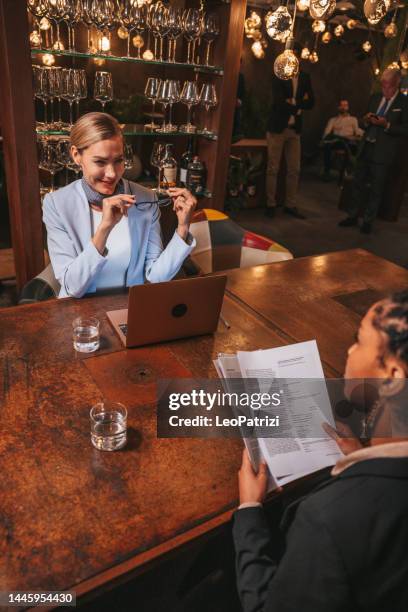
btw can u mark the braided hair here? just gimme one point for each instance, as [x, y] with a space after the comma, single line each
[391, 318]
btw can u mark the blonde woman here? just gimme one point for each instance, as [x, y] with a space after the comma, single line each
[104, 231]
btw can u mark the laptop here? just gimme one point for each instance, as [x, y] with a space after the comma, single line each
[159, 312]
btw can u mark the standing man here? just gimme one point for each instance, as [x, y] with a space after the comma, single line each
[386, 122]
[290, 98]
[341, 133]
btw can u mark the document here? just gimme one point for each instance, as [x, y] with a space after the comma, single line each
[300, 446]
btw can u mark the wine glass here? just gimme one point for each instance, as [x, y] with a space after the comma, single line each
[86, 17]
[126, 12]
[103, 87]
[41, 89]
[208, 99]
[54, 90]
[66, 158]
[175, 25]
[211, 30]
[128, 156]
[73, 15]
[139, 22]
[190, 97]
[158, 151]
[57, 10]
[69, 90]
[151, 92]
[192, 28]
[169, 93]
[38, 9]
[49, 158]
[81, 89]
[102, 13]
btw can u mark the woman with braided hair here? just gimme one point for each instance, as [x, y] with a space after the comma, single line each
[346, 543]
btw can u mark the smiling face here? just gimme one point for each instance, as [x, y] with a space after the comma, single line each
[102, 164]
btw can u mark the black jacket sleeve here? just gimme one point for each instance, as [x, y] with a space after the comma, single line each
[399, 128]
[310, 576]
[308, 100]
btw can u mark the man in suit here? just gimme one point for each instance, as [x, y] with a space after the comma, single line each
[290, 99]
[386, 122]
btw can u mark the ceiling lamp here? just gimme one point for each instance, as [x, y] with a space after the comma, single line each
[318, 26]
[339, 31]
[351, 24]
[257, 50]
[326, 37]
[148, 55]
[256, 19]
[391, 30]
[313, 58]
[286, 65]
[366, 46]
[377, 71]
[375, 10]
[302, 5]
[393, 66]
[305, 53]
[278, 24]
[48, 59]
[321, 9]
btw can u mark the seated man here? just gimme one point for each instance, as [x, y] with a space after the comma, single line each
[341, 133]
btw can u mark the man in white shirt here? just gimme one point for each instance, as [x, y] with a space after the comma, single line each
[341, 134]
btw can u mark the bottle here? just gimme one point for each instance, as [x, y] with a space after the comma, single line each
[185, 159]
[168, 169]
[196, 176]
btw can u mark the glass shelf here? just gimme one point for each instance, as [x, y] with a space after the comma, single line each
[130, 129]
[132, 60]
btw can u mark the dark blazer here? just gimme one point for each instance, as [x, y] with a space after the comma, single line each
[346, 546]
[387, 141]
[281, 110]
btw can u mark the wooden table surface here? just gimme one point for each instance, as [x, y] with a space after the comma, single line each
[75, 517]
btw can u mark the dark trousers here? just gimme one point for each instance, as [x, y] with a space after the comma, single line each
[336, 145]
[367, 171]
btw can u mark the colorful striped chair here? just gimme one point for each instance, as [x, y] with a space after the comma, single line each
[222, 244]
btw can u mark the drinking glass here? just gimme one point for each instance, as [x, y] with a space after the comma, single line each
[126, 13]
[57, 13]
[49, 158]
[128, 156]
[73, 15]
[69, 85]
[211, 30]
[158, 151]
[66, 158]
[139, 23]
[190, 97]
[54, 90]
[103, 87]
[208, 99]
[169, 94]
[151, 92]
[38, 9]
[108, 425]
[86, 17]
[102, 12]
[192, 28]
[41, 89]
[159, 26]
[85, 336]
[175, 29]
[81, 89]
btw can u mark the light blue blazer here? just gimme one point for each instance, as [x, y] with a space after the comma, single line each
[76, 261]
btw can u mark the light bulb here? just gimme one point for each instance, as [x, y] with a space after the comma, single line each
[123, 33]
[339, 31]
[278, 24]
[313, 58]
[351, 24]
[138, 41]
[35, 38]
[321, 9]
[326, 37]
[99, 61]
[256, 19]
[286, 65]
[377, 71]
[393, 66]
[318, 26]
[45, 24]
[257, 49]
[104, 44]
[148, 55]
[374, 10]
[305, 54]
[249, 25]
[48, 59]
[391, 30]
[366, 46]
[302, 5]
[58, 45]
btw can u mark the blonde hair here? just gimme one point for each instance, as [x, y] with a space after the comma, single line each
[92, 128]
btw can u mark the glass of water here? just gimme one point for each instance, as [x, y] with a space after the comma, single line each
[108, 425]
[86, 334]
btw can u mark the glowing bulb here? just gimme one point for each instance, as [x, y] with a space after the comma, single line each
[148, 55]
[326, 37]
[278, 24]
[48, 59]
[351, 24]
[249, 25]
[391, 30]
[99, 61]
[257, 35]
[256, 19]
[138, 41]
[45, 24]
[366, 46]
[302, 5]
[35, 38]
[338, 31]
[377, 71]
[305, 54]
[313, 58]
[257, 49]
[394, 66]
[123, 33]
[58, 46]
[286, 65]
[375, 10]
[318, 26]
[321, 9]
[104, 44]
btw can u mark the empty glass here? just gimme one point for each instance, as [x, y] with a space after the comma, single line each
[41, 89]
[49, 158]
[208, 99]
[192, 28]
[103, 88]
[151, 92]
[69, 88]
[190, 97]
[85, 332]
[108, 425]
[169, 93]
[128, 156]
[211, 30]
[175, 29]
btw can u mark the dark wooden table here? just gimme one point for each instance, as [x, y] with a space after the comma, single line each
[72, 517]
